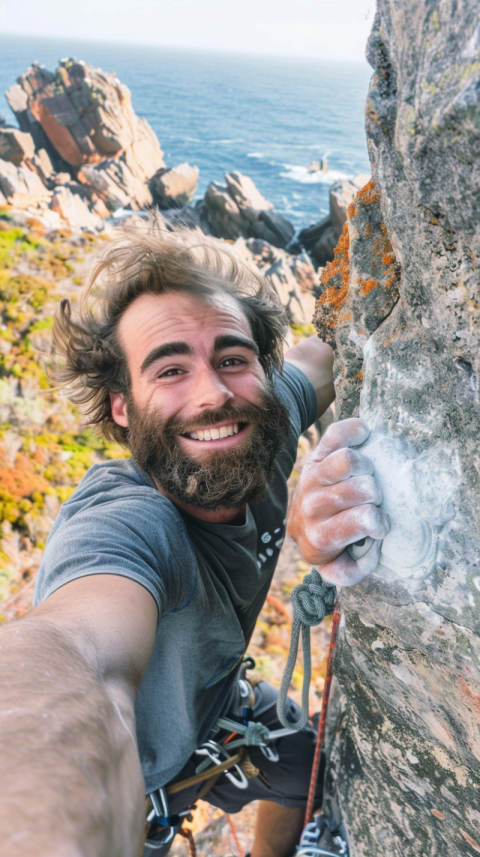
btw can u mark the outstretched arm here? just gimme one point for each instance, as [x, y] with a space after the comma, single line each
[71, 782]
[315, 359]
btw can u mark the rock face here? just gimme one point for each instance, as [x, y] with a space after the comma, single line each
[239, 209]
[402, 308]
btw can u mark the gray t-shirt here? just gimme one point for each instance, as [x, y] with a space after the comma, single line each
[209, 582]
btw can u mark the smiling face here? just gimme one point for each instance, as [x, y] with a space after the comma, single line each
[203, 420]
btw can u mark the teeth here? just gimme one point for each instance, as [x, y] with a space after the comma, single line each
[214, 433]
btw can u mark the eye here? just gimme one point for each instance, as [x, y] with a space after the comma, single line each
[231, 362]
[170, 373]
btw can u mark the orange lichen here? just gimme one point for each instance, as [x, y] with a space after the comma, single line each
[388, 259]
[368, 230]
[368, 194]
[359, 375]
[352, 209]
[366, 286]
[332, 297]
[384, 229]
[345, 318]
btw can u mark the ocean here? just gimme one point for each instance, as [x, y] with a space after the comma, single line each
[265, 116]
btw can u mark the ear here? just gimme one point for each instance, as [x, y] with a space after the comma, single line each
[119, 409]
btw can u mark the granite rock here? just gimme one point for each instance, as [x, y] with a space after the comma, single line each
[15, 145]
[74, 210]
[401, 307]
[21, 186]
[239, 209]
[174, 188]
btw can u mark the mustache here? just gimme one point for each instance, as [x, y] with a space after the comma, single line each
[254, 414]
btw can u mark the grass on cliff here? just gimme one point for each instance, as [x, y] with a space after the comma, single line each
[44, 452]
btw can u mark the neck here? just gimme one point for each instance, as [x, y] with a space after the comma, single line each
[212, 516]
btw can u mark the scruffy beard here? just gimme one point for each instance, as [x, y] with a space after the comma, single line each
[219, 480]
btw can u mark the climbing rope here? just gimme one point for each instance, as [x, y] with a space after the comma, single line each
[323, 718]
[312, 600]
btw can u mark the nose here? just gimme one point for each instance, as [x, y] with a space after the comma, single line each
[210, 390]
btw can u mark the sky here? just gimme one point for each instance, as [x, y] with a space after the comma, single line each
[317, 29]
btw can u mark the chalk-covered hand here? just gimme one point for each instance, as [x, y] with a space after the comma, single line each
[336, 503]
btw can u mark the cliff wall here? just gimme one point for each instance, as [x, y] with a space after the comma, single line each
[402, 308]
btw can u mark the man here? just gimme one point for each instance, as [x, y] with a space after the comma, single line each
[157, 567]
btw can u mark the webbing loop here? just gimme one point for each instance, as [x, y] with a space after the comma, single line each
[312, 600]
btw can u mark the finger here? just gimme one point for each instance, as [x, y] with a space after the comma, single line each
[343, 571]
[324, 541]
[340, 465]
[329, 501]
[350, 432]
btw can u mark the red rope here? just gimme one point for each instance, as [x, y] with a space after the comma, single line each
[323, 718]
[233, 830]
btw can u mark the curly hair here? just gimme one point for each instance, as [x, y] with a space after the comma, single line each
[145, 258]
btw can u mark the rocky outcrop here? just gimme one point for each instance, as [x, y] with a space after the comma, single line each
[401, 306]
[239, 209]
[86, 114]
[174, 188]
[78, 127]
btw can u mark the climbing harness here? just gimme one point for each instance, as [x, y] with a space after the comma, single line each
[312, 600]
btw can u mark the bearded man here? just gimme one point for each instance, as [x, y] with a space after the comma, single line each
[157, 567]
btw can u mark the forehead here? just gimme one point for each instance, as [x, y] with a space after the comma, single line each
[153, 320]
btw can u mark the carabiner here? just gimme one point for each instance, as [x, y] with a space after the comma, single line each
[215, 752]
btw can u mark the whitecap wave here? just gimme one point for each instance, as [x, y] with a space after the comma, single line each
[255, 155]
[301, 174]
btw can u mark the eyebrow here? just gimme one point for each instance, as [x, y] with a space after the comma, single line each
[232, 341]
[170, 349]
[173, 349]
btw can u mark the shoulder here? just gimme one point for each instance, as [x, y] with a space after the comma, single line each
[117, 522]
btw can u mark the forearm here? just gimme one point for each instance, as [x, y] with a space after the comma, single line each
[71, 781]
[315, 359]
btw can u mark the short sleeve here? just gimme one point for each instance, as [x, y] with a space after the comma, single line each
[139, 535]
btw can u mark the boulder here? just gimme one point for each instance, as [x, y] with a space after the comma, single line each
[174, 188]
[245, 193]
[74, 209]
[21, 186]
[15, 145]
[342, 193]
[401, 306]
[239, 209]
